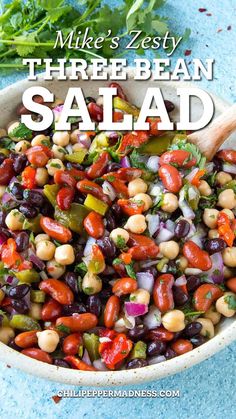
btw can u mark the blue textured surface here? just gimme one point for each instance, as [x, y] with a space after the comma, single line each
[206, 390]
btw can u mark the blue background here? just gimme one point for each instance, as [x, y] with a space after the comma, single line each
[206, 390]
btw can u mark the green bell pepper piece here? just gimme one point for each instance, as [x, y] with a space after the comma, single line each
[124, 106]
[77, 157]
[91, 343]
[179, 137]
[162, 263]
[23, 322]
[37, 296]
[73, 218]
[32, 224]
[139, 350]
[5, 320]
[50, 191]
[95, 204]
[28, 276]
[157, 145]
[99, 142]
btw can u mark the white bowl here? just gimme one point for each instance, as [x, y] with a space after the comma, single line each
[226, 331]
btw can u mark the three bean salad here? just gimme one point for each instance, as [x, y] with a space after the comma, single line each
[118, 250]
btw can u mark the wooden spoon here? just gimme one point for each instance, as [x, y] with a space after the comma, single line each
[211, 138]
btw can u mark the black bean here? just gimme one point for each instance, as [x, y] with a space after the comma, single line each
[19, 291]
[89, 99]
[20, 306]
[13, 155]
[193, 282]
[110, 221]
[2, 218]
[136, 363]
[14, 346]
[214, 245]
[71, 279]
[19, 163]
[192, 329]
[112, 167]
[34, 197]
[22, 241]
[107, 247]
[69, 309]
[180, 298]
[182, 228]
[156, 348]
[152, 270]
[61, 363]
[74, 166]
[198, 340]
[79, 198]
[94, 305]
[79, 252]
[169, 105]
[117, 211]
[16, 190]
[47, 209]
[2, 158]
[170, 353]
[218, 164]
[105, 293]
[113, 138]
[138, 332]
[28, 210]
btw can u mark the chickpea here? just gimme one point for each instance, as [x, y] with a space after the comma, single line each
[182, 263]
[226, 199]
[74, 136]
[54, 165]
[13, 125]
[173, 320]
[222, 178]
[170, 202]
[40, 140]
[119, 236]
[6, 334]
[78, 147]
[145, 198]
[22, 146]
[204, 188]
[169, 249]
[91, 284]
[2, 295]
[45, 250]
[35, 311]
[140, 296]
[41, 177]
[228, 273]
[2, 190]
[14, 220]
[222, 305]
[137, 186]
[229, 257]
[41, 237]
[229, 213]
[213, 234]
[207, 327]
[210, 216]
[136, 224]
[61, 138]
[65, 254]
[3, 133]
[213, 315]
[55, 269]
[48, 340]
[99, 101]
[58, 152]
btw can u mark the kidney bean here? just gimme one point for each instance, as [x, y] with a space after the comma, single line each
[64, 177]
[214, 246]
[205, 295]
[98, 168]
[180, 158]
[182, 228]
[107, 247]
[19, 291]
[139, 240]
[78, 364]
[198, 340]
[111, 311]
[170, 178]
[22, 110]
[128, 173]
[20, 306]
[162, 292]
[156, 348]
[28, 211]
[124, 286]
[170, 353]
[138, 332]
[26, 339]
[89, 187]
[38, 354]
[143, 252]
[131, 207]
[193, 283]
[95, 111]
[120, 91]
[227, 155]
[71, 279]
[160, 333]
[94, 225]
[34, 197]
[19, 163]
[69, 309]
[38, 155]
[6, 171]
[55, 230]
[192, 329]
[61, 363]
[51, 310]
[22, 241]
[181, 346]
[197, 257]
[136, 363]
[79, 322]
[65, 198]
[231, 284]
[94, 305]
[180, 297]
[72, 343]
[57, 290]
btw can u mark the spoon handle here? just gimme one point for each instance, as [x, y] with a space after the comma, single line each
[211, 138]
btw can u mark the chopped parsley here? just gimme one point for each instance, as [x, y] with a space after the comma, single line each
[7, 143]
[64, 329]
[57, 165]
[208, 295]
[120, 242]
[130, 271]
[231, 301]
[80, 267]
[21, 131]
[191, 148]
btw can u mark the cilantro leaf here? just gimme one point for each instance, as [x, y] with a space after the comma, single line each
[7, 143]
[231, 301]
[21, 132]
[137, 160]
[130, 271]
[191, 148]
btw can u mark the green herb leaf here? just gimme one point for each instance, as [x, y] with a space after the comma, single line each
[21, 132]
[130, 271]
[231, 301]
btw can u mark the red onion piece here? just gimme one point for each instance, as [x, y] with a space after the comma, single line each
[145, 280]
[156, 359]
[109, 190]
[215, 275]
[164, 235]
[125, 162]
[181, 281]
[6, 197]
[229, 168]
[153, 163]
[36, 261]
[191, 175]
[99, 365]
[3, 238]
[86, 358]
[153, 318]
[153, 223]
[84, 140]
[135, 309]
